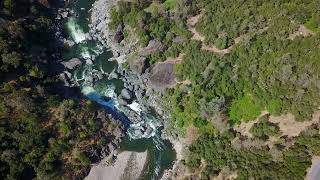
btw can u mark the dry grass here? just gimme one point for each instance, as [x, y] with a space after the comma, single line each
[302, 31]
[176, 60]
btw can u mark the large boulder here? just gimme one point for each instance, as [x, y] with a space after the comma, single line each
[119, 36]
[153, 46]
[126, 94]
[72, 63]
[138, 65]
[122, 102]
[162, 76]
[66, 77]
[113, 75]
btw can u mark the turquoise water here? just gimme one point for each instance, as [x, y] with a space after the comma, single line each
[160, 152]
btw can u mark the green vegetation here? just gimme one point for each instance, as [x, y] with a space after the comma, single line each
[244, 109]
[269, 69]
[266, 71]
[229, 20]
[146, 19]
[170, 4]
[264, 129]
[40, 128]
[219, 153]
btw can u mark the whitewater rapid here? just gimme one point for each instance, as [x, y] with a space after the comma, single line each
[75, 30]
[91, 78]
[105, 95]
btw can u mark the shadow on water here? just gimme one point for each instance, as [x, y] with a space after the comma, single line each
[160, 154]
[105, 91]
[116, 114]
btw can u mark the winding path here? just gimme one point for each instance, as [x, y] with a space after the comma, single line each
[191, 23]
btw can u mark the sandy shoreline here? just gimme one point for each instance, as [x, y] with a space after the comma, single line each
[128, 166]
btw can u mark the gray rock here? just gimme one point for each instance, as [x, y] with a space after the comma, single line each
[153, 46]
[145, 80]
[68, 74]
[138, 132]
[148, 130]
[72, 63]
[122, 102]
[89, 61]
[64, 77]
[138, 65]
[178, 39]
[64, 14]
[69, 42]
[115, 54]
[89, 80]
[136, 87]
[162, 76]
[130, 87]
[113, 75]
[117, 132]
[111, 147]
[118, 37]
[126, 94]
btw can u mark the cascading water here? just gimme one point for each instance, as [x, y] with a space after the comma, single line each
[90, 77]
[75, 30]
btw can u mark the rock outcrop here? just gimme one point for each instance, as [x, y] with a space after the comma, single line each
[138, 65]
[153, 46]
[72, 63]
[162, 76]
[126, 94]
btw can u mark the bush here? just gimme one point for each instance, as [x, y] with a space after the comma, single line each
[244, 109]
[81, 156]
[54, 100]
[264, 129]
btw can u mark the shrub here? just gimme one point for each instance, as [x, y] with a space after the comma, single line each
[264, 129]
[244, 109]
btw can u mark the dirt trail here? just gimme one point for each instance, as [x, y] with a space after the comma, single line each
[244, 127]
[302, 31]
[192, 21]
[176, 60]
[290, 127]
[287, 124]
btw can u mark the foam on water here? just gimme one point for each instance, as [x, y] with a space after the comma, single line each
[75, 30]
[150, 123]
[135, 107]
[104, 94]
[85, 53]
[93, 95]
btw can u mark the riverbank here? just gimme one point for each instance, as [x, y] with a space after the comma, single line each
[127, 165]
[136, 78]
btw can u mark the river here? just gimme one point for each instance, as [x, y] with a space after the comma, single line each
[104, 91]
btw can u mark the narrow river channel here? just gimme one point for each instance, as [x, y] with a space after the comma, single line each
[105, 91]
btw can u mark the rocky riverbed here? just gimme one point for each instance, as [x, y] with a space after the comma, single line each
[139, 78]
[136, 77]
[126, 93]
